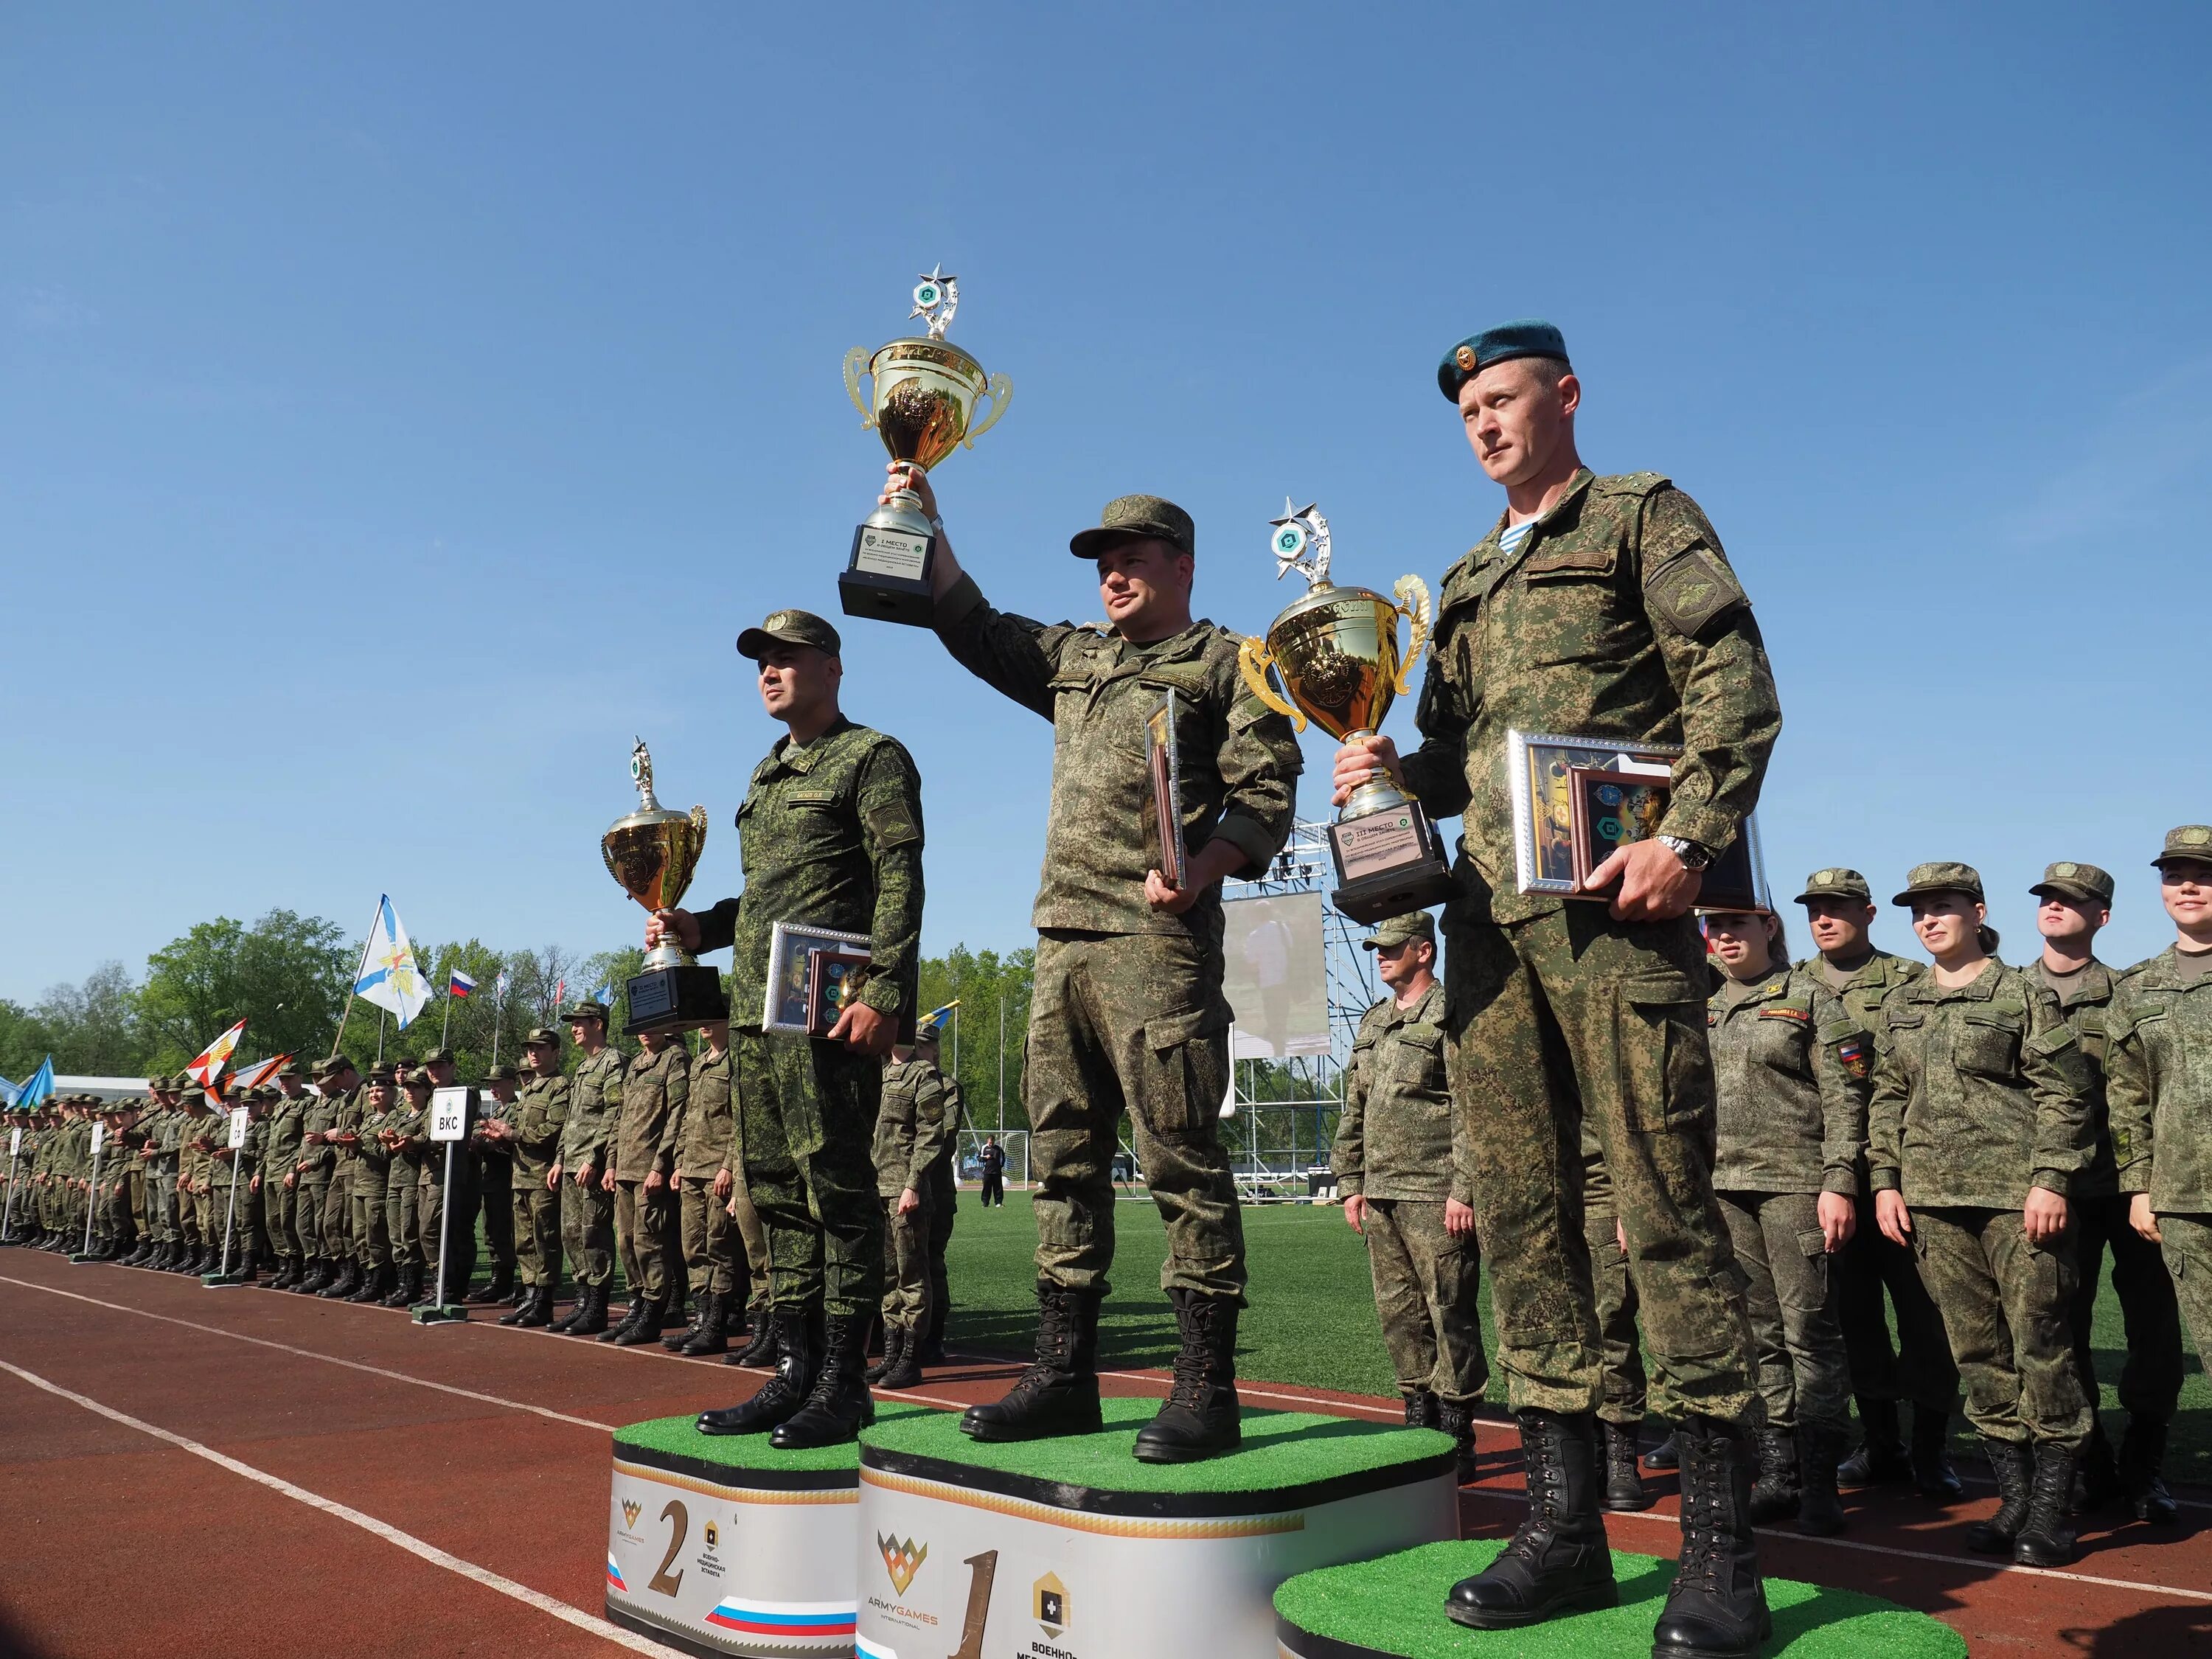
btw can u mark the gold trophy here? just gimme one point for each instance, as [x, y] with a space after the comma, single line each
[652, 855]
[1336, 652]
[924, 407]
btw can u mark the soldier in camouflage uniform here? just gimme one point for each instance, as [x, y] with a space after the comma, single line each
[910, 1132]
[446, 1204]
[316, 1166]
[587, 1152]
[203, 1130]
[830, 834]
[2075, 903]
[340, 1214]
[168, 1141]
[491, 1169]
[280, 1175]
[1128, 1010]
[376, 1164]
[655, 1090]
[1979, 1127]
[146, 1189]
[713, 1260]
[532, 1128]
[2158, 1060]
[405, 1131]
[1599, 607]
[1406, 1189]
[943, 1194]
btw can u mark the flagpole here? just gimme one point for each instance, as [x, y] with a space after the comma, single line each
[379, 1034]
[354, 989]
[445, 1025]
[498, 1011]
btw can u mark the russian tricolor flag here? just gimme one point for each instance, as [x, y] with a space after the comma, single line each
[820, 1621]
[459, 984]
[615, 1578]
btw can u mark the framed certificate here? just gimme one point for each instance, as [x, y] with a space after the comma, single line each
[1167, 791]
[834, 978]
[792, 976]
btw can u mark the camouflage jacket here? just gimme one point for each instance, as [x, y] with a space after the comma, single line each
[352, 1110]
[595, 1092]
[708, 1119]
[320, 1117]
[1394, 1138]
[281, 1149]
[1790, 1067]
[910, 1127]
[168, 1136]
[1618, 617]
[2084, 1005]
[829, 834]
[654, 1093]
[540, 1111]
[1874, 979]
[1237, 760]
[945, 1172]
[425, 1157]
[1980, 1093]
[2159, 1082]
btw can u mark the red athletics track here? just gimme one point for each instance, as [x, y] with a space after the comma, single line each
[444, 1490]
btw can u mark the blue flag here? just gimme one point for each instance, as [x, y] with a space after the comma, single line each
[606, 994]
[40, 1085]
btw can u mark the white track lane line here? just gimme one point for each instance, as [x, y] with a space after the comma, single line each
[588, 1623]
[1963, 1564]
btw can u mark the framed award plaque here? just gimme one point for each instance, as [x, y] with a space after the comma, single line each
[794, 980]
[1160, 759]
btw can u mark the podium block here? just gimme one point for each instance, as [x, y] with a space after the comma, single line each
[1393, 1608]
[1072, 1549]
[722, 1545]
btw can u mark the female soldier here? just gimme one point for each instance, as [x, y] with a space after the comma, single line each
[1790, 1067]
[1979, 1123]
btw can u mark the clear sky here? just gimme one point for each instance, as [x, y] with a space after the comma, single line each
[403, 407]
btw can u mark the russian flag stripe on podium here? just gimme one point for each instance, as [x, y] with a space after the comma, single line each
[785, 1620]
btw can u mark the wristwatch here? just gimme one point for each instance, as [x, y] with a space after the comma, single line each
[1693, 856]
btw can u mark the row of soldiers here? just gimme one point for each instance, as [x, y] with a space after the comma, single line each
[1963, 1140]
[338, 1191]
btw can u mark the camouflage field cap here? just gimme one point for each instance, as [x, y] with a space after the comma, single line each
[1836, 882]
[543, 1037]
[419, 1077]
[1394, 931]
[335, 1066]
[439, 1057]
[586, 1008]
[1941, 877]
[2192, 841]
[503, 1072]
[1137, 519]
[156, 1085]
[2068, 879]
[292, 1068]
[930, 1030]
[183, 1083]
[789, 628]
[1530, 336]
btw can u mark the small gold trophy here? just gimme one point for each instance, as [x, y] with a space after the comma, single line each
[1336, 653]
[924, 407]
[652, 855]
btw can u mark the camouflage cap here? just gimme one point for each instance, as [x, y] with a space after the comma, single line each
[419, 1077]
[1137, 519]
[292, 1068]
[586, 1008]
[1836, 882]
[335, 1066]
[1941, 877]
[1528, 337]
[1394, 931]
[541, 1035]
[789, 628]
[439, 1057]
[504, 1072]
[183, 1082]
[2192, 841]
[383, 1074]
[2076, 881]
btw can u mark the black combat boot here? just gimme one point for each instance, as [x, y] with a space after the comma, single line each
[1819, 1511]
[1774, 1495]
[137, 1257]
[1932, 1473]
[648, 1328]
[799, 1358]
[712, 1336]
[2045, 1539]
[1202, 1416]
[674, 1340]
[1716, 1607]
[902, 1369]
[408, 1289]
[567, 1322]
[535, 1312]
[1557, 1560]
[1423, 1408]
[288, 1275]
[502, 1285]
[2010, 1463]
[2096, 1473]
[590, 1318]
[2142, 1476]
[632, 1316]
[1458, 1422]
[1625, 1490]
[520, 1310]
[838, 1407]
[1666, 1457]
[895, 1340]
[932, 1344]
[376, 1284]
[1059, 1393]
[317, 1278]
[1880, 1459]
[760, 1351]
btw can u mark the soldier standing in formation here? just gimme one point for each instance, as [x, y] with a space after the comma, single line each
[527, 1127]
[910, 1133]
[1980, 1127]
[1128, 1010]
[1406, 1190]
[655, 1087]
[715, 1266]
[586, 1153]
[343, 1222]
[446, 1206]
[280, 1174]
[317, 1168]
[491, 1167]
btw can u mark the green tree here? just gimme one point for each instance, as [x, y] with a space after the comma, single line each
[287, 976]
[94, 1027]
[25, 1040]
[986, 985]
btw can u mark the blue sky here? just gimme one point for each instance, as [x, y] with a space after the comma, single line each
[402, 408]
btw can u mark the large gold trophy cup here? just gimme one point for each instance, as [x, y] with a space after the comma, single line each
[652, 855]
[1336, 653]
[923, 407]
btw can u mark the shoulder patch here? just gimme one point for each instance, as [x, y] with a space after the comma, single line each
[891, 823]
[1691, 591]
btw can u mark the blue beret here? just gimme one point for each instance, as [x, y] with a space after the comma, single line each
[1528, 337]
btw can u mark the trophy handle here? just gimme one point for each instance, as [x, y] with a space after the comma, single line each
[999, 391]
[1253, 659]
[1412, 596]
[856, 364]
[699, 826]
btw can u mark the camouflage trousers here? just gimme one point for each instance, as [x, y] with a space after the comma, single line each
[587, 1229]
[537, 1229]
[1918, 1366]
[714, 1251]
[1571, 1016]
[646, 1234]
[905, 1265]
[281, 1208]
[337, 1215]
[1797, 1342]
[2188, 1251]
[1132, 1022]
[494, 1190]
[2004, 1304]
[2151, 1375]
[435, 1226]
[943, 1196]
[403, 1213]
[1623, 1392]
[1426, 1283]
[370, 1191]
[805, 1135]
[314, 1206]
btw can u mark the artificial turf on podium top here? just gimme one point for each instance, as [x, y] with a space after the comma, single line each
[678, 1437]
[1281, 1451]
[1396, 1607]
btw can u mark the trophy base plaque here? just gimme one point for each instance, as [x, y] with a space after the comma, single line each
[675, 1000]
[1388, 863]
[887, 578]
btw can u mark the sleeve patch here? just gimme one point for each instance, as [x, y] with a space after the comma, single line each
[891, 823]
[1691, 591]
[1852, 1052]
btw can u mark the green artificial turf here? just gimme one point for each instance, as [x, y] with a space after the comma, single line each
[1280, 1449]
[1396, 1606]
[678, 1437]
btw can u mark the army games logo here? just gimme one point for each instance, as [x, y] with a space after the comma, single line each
[631, 1509]
[902, 1560]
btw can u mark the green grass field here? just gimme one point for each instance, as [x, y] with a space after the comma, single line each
[1312, 1317]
